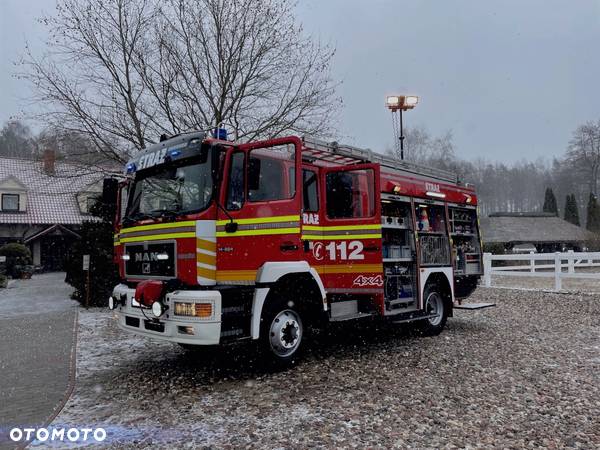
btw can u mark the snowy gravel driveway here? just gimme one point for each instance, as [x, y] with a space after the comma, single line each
[523, 374]
[37, 321]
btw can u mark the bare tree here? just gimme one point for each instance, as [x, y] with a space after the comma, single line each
[16, 140]
[583, 153]
[123, 72]
[422, 148]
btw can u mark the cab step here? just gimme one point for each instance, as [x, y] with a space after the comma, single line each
[413, 316]
[473, 306]
[350, 317]
[400, 301]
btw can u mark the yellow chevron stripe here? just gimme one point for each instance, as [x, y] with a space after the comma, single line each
[206, 273]
[353, 268]
[259, 232]
[157, 237]
[206, 245]
[261, 220]
[343, 227]
[206, 259]
[337, 237]
[158, 226]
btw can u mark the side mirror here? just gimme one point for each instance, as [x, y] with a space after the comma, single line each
[254, 174]
[110, 189]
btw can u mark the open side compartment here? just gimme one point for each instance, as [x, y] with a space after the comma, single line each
[466, 246]
[398, 251]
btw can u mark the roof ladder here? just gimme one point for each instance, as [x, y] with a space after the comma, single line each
[346, 154]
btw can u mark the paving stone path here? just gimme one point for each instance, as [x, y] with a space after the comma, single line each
[37, 339]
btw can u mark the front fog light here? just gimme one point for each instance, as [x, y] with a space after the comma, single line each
[158, 309]
[111, 302]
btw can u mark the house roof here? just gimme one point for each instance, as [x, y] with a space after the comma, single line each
[50, 199]
[533, 228]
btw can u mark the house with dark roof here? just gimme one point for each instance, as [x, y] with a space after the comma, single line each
[43, 204]
[545, 232]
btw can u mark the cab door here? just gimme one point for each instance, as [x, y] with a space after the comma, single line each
[346, 245]
[260, 218]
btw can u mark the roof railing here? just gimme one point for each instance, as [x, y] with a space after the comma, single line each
[347, 154]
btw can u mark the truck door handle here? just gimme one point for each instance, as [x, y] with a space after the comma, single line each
[288, 247]
[372, 248]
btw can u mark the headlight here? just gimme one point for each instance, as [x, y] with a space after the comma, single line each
[201, 310]
[157, 309]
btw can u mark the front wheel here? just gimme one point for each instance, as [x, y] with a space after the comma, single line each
[437, 309]
[282, 333]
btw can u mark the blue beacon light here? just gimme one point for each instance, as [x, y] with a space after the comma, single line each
[130, 167]
[220, 133]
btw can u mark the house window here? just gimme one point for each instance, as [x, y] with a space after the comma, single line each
[90, 202]
[10, 202]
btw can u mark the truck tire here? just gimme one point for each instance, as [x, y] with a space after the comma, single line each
[282, 333]
[434, 303]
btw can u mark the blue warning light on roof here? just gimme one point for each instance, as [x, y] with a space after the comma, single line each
[130, 167]
[220, 133]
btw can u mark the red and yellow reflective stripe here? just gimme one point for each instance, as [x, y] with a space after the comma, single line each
[340, 232]
[348, 268]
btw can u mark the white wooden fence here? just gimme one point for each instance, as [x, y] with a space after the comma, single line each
[551, 266]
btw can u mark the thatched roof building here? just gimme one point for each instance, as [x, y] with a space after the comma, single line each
[545, 231]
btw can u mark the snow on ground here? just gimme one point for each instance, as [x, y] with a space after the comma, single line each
[523, 374]
[46, 292]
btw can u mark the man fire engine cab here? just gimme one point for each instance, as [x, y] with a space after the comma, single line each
[219, 242]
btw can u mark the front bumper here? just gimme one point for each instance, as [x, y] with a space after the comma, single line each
[184, 330]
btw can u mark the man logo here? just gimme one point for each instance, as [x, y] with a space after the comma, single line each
[146, 256]
[146, 268]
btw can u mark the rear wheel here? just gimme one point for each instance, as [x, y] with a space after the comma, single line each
[436, 308]
[282, 333]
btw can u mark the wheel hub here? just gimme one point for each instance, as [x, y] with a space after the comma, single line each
[434, 306]
[285, 333]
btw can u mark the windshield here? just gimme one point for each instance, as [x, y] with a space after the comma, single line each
[171, 190]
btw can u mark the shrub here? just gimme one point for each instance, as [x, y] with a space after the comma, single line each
[17, 256]
[593, 244]
[96, 241]
[495, 248]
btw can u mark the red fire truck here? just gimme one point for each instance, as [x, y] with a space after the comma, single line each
[219, 241]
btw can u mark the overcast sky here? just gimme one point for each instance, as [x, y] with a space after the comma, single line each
[510, 78]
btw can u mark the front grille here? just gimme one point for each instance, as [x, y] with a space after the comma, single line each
[148, 260]
[154, 326]
[132, 321]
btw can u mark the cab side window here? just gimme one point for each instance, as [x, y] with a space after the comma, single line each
[268, 174]
[310, 200]
[235, 190]
[350, 194]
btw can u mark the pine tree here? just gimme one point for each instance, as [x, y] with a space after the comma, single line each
[593, 214]
[575, 213]
[571, 210]
[568, 209]
[550, 205]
